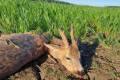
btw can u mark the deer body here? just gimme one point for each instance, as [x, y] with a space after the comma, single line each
[28, 47]
[12, 57]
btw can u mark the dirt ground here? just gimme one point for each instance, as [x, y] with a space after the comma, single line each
[99, 62]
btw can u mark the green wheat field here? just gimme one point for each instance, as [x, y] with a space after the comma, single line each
[18, 16]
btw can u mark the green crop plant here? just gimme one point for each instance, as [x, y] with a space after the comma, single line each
[18, 16]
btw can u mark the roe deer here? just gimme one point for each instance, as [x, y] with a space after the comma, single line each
[69, 55]
[19, 49]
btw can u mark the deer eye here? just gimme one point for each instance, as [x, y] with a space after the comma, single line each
[68, 58]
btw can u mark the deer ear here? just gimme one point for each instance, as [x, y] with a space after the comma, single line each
[50, 47]
[53, 50]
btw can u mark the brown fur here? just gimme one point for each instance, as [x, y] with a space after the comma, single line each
[17, 50]
[68, 55]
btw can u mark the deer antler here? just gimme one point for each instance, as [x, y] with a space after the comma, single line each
[72, 35]
[64, 39]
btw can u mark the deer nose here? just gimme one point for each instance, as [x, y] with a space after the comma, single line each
[82, 72]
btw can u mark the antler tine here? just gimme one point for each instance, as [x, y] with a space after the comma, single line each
[72, 35]
[65, 41]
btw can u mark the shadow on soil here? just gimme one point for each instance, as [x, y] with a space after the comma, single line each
[87, 52]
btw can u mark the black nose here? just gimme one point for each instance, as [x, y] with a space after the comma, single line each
[81, 72]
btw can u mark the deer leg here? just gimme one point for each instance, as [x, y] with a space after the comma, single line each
[36, 70]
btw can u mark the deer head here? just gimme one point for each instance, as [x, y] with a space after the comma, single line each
[67, 54]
